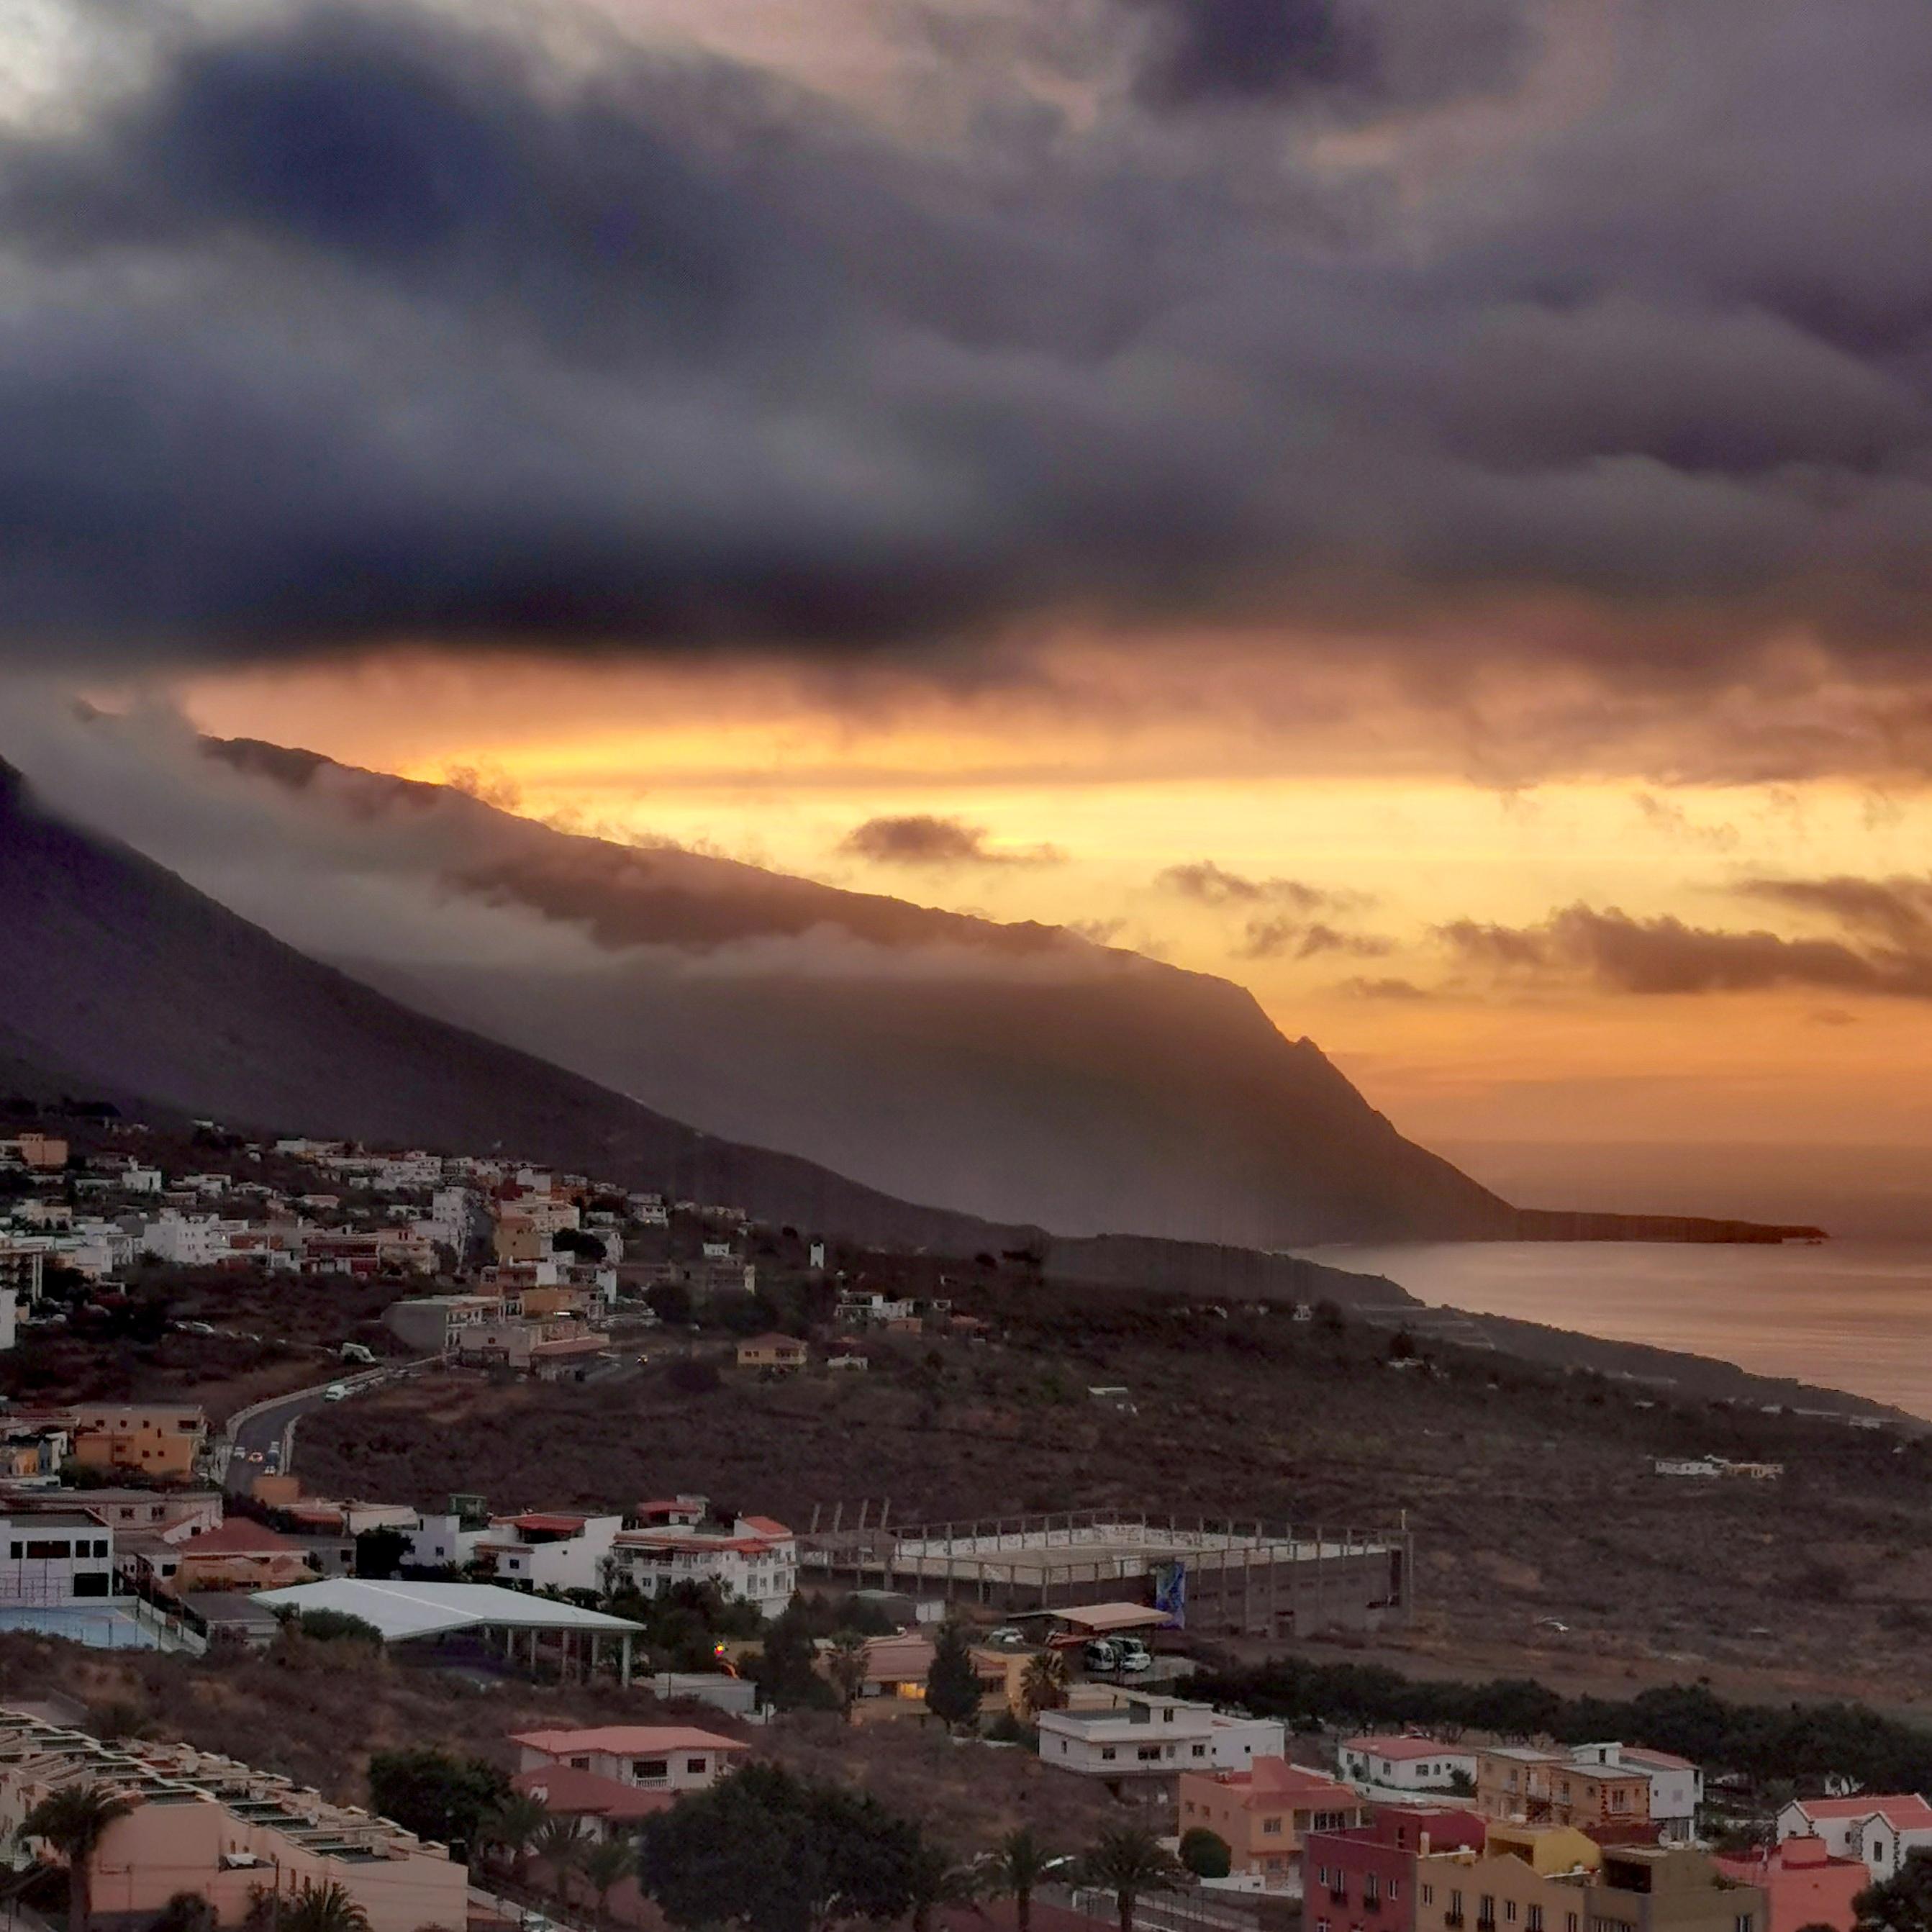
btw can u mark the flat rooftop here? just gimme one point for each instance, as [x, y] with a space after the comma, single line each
[1102, 1550]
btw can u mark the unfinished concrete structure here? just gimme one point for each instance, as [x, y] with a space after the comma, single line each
[1228, 1579]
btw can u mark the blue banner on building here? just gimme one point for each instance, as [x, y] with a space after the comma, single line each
[1170, 1591]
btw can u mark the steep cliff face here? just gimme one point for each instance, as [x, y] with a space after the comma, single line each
[120, 978]
[1013, 1072]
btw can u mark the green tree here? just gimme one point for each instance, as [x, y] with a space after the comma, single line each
[562, 1846]
[1129, 1862]
[768, 1851]
[951, 1684]
[784, 1671]
[73, 1821]
[511, 1826]
[845, 1666]
[1205, 1853]
[606, 1866]
[1043, 1683]
[333, 1626]
[434, 1794]
[1021, 1863]
[935, 1878]
[185, 1912]
[1900, 1903]
[380, 1552]
[323, 1908]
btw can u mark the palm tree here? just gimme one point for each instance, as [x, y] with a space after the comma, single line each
[845, 1665]
[606, 1866]
[561, 1846]
[73, 1821]
[323, 1908]
[1128, 1862]
[1043, 1683]
[513, 1827]
[1020, 1862]
[935, 1878]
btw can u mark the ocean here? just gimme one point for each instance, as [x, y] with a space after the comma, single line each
[1851, 1315]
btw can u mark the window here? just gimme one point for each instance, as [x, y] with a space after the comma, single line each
[1742, 1923]
[47, 1546]
[1509, 1912]
[1486, 1911]
[1200, 1751]
[580, 1764]
[649, 1770]
[1569, 1922]
[1107, 1753]
[1533, 1919]
[13, 1551]
[1271, 1827]
[1148, 1753]
[1429, 1894]
[694, 1766]
[1372, 1890]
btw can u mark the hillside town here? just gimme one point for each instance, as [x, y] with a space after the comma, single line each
[1097, 1643]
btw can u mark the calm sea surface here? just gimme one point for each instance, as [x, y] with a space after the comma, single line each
[1849, 1315]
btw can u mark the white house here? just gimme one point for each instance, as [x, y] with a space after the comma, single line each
[546, 1552]
[48, 1561]
[756, 1560]
[1142, 1736]
[1403, 1763]
[187, 1240]
[649, 1756]
[1676, 1784]
[1881, 1831]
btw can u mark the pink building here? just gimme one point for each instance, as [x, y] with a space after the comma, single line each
[205, 1824]
[647, 1757]
[1804, 1881]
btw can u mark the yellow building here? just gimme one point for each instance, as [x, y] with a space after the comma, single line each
[772, 1351]
[162, 1439]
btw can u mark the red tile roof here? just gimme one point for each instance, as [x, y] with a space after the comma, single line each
[1404, 1748]
[766, 1525]
[624, 1740]
[578, 1794]
[239, 1537]
[563, 1525]
[1905, 1811]
[1272, 1781]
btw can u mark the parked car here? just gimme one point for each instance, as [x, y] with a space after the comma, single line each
[336, 1392]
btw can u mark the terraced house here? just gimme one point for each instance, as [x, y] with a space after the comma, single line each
[208, 1825]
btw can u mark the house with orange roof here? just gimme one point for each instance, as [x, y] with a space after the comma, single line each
[240, 1555]
[1805, 1882]
[1263, 1814]
[1879, 1832]
[668, 1758]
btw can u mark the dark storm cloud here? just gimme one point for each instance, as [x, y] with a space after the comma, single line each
[1621, 954]
[920, 838]
[345, 325]
[1353, 55]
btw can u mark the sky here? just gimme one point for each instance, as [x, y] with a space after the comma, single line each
[1423, 507]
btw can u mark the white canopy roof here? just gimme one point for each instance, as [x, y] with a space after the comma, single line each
[401, 1610]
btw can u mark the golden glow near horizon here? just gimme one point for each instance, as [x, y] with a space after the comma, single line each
[1120, 801]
